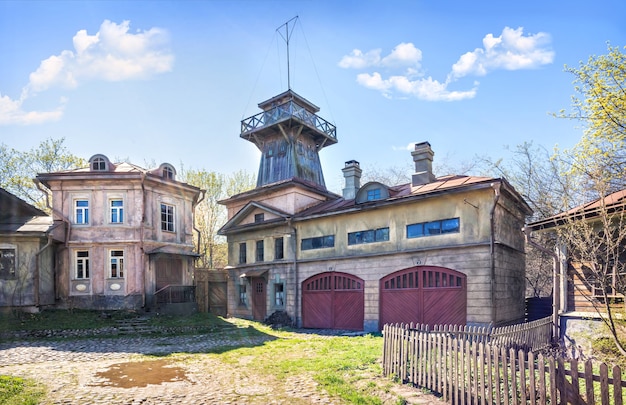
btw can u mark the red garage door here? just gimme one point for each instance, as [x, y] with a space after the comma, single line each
[423, 294]
[333, 301]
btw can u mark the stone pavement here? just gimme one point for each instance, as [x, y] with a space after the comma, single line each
[81, 371]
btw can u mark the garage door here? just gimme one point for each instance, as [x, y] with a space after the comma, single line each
[333, 301]
[424, 294]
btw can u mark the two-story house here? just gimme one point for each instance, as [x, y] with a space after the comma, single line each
[438, 250]
[128, 234]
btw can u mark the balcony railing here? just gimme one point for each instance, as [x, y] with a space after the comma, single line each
[175, 294]
[284, 112]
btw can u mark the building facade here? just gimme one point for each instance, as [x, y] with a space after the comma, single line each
[436, 250]
[127, 232]
[27, 246]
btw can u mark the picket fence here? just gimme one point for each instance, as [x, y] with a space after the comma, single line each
[470, 366]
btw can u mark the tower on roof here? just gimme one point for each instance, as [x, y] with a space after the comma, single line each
[289, 135]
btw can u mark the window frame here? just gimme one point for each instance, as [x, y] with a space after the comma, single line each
[118, 263]
[8, 255]
[433, 228]
[168, 223]
[318, 242]
[243, 294]
[243, 259]
[279, 248]
[81, 212]
[84, 262]
[279, 296]
[368, 236]
[119, 211]
[260, 251]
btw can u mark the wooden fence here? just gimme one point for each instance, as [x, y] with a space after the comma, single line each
[465, 369]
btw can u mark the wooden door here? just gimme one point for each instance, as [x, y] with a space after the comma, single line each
[423, 295]
[333, 301]
[217, 298]
[259, 298]
[168, 271]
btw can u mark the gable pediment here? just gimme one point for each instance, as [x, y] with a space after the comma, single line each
[253, 214]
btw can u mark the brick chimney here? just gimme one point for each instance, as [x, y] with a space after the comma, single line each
[352, 174]
[423, 158]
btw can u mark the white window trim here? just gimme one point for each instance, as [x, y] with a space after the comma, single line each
[112, 198]
[174, 213]
[110, 264]
[75, 270]
[75, 210]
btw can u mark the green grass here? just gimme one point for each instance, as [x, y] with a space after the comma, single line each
[89, 319]
[15, 390]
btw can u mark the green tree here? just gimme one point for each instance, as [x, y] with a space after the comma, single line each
[210, 215]
[595, 168]
[20, 168]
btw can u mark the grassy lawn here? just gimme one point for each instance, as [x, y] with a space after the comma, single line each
[15, 390]
[345, 367]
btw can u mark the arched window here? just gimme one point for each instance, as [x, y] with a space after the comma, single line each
[99, 163]
[168, 171]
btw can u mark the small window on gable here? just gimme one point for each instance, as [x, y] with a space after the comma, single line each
[259, 218]
[167, 171]
[99, 163]
[373, 194]
[373, 191]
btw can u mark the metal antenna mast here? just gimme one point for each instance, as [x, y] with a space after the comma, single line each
[287, 37]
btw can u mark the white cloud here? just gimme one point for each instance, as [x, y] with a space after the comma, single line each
[424, 88]
[112, 54]
[404, 54]
[11, 112]
[510, 51]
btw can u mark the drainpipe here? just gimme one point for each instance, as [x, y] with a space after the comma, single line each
[141, 236]
[294, 243]
[193, 222]
[36, 273]
[556, 278]
[492, 248]
[68, 231]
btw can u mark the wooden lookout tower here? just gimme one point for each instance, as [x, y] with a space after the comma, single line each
[289, 135]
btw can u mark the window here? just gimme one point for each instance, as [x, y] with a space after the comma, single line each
[373, 194]
[82, 264]
[259, 218]
[243, 295]
[81, 213]
[259, 251]
[98, 164]
[369, 236]
[433, 228]
[117, 211]
[319, 242]
[7, 263]
[167, 217]
[168, 173]
[279, 295]
[116, 264]
[242, 253]
[279, 252]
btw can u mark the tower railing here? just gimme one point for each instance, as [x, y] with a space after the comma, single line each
[287, 111]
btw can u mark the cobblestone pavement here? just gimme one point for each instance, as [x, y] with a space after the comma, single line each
[72, 370]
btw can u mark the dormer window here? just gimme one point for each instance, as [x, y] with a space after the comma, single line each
[372, 191]
[99, 163]
[168, 171]
[373, 195]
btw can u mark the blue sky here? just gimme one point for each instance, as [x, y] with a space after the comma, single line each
[159, 81]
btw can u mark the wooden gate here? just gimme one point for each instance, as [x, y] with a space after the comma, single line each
[423, 294]
[333, 301]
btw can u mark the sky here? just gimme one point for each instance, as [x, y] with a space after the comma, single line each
[170, 81]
